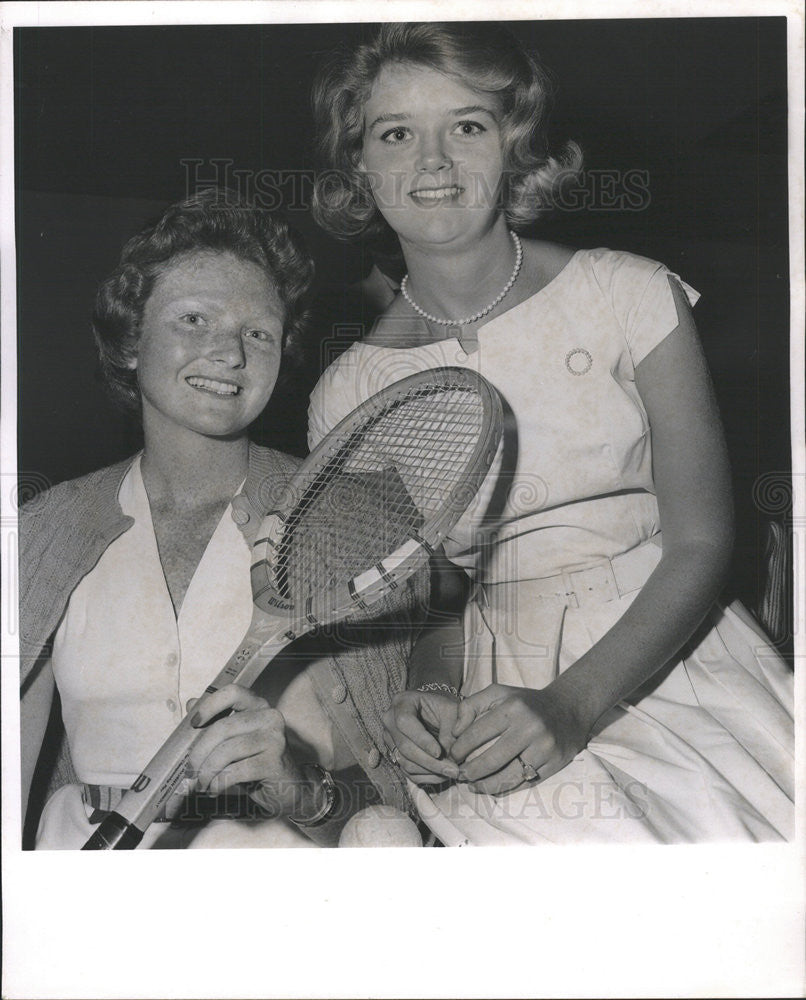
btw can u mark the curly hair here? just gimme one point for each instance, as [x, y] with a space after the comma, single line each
[215, 220]
[485, 57]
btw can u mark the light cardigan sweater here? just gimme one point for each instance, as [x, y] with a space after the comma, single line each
[65, 531]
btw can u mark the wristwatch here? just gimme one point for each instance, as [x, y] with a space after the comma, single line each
[331, 802]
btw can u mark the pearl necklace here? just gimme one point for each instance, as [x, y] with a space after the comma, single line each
[482, 312]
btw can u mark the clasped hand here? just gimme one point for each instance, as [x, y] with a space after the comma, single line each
[479, 740]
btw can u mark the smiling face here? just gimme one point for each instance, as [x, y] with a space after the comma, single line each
[210, 345]
[432, 151]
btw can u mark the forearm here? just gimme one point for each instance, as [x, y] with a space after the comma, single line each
[660, 620]
[438, 655]
[35, 707]
[692, 482]
[438, 652]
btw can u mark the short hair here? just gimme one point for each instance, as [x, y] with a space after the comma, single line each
[487, 58]
[214, 220]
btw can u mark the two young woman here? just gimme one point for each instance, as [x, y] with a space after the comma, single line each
[591, 687]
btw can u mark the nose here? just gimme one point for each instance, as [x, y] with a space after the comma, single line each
[432, 154]
[227, 348]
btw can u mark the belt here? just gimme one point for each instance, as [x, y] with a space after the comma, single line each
[596, 583]
[195, 810]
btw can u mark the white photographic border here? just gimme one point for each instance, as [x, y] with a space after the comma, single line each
[715, 921]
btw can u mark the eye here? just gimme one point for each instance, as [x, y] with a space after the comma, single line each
[468, 128]
[261, 335]
[193, 319]
[395, 135]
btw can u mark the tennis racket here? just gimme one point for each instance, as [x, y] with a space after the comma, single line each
[363, 512]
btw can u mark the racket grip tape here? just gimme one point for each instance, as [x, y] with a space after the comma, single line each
[114, 834]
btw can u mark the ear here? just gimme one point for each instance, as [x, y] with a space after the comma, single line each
[131, 362]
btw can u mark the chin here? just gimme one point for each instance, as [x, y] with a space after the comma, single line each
[224, 430]
[445, 227]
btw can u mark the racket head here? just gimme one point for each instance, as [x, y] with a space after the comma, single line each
[378, 494]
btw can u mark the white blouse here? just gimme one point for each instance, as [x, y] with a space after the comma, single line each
[126, 664]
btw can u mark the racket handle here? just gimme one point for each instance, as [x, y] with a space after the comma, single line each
[165, 776]
[114, 834]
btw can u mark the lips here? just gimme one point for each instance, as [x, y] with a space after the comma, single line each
[214, 386]
[434, 195]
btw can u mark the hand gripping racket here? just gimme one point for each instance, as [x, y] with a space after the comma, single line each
[361, 514]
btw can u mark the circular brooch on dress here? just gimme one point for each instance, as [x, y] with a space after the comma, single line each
[579, 361]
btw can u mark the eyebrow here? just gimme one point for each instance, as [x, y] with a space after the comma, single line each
[402, 116]
[473, 109]
[390, 116]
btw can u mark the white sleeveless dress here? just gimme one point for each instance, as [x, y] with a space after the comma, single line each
[704, 750]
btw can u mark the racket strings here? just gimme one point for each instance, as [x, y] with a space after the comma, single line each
[377, 488]
[428, 442]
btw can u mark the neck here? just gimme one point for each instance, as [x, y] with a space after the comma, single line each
[189, 469]
[453, 281]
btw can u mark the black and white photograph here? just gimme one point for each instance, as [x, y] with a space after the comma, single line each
[402, 449]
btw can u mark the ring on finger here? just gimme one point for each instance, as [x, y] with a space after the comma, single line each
[530, 772]
[394, 755]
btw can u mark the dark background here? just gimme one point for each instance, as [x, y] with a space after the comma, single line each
[105, 117]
